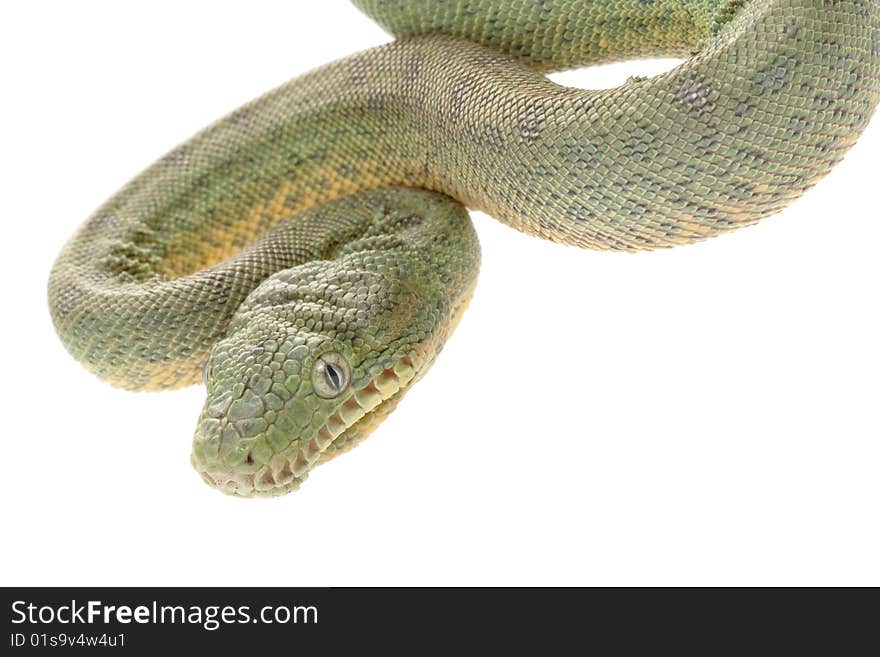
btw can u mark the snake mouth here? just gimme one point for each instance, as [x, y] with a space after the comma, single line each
[355, 418]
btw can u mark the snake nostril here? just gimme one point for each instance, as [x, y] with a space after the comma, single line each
[250, 459]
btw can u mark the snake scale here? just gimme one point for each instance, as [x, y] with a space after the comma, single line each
[309, 254]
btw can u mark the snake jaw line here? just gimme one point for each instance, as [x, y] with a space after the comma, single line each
[361, 412]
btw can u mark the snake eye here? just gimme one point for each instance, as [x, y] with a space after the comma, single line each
[330, 375]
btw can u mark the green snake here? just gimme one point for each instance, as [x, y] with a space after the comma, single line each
[309, 254]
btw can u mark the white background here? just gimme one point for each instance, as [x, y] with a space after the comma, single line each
[705, 415]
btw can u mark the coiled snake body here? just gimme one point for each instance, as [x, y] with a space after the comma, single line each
[310, 253]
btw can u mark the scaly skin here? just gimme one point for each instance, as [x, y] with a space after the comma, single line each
[306, 252]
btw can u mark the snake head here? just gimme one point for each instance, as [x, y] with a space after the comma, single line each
[313, 361]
